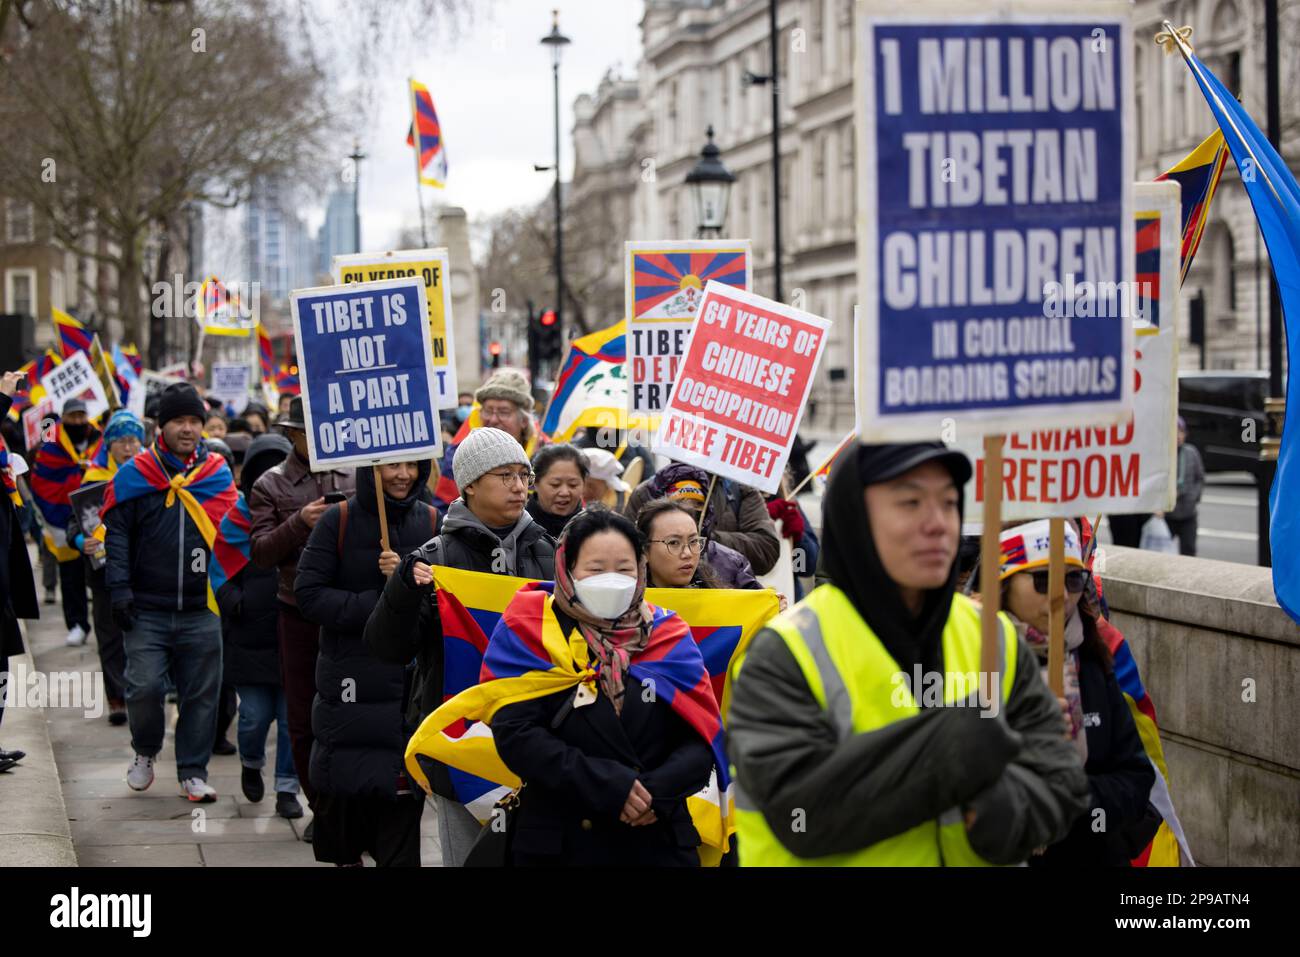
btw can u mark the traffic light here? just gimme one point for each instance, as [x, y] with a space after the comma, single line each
[494, 350]
[549, 344]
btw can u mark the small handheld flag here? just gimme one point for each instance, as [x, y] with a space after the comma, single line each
[1198, 174]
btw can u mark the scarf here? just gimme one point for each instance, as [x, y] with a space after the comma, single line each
[1073, 696]
[613, 643]
[202, 483]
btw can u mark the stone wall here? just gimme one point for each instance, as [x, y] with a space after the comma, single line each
[1221, 662]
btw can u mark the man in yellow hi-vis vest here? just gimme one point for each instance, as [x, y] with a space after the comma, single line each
[860, 727]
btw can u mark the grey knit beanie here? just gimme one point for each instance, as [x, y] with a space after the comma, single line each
[482, 451]
[508, 385]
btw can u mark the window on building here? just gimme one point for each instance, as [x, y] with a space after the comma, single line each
[20, 291]
[20, 226]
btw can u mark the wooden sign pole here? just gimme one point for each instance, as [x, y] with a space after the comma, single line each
[990, 563]
[383, 511]
[1056, 607]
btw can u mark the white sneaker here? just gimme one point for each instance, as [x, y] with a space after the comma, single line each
[76, 637]
[140, 774]
[198, 791]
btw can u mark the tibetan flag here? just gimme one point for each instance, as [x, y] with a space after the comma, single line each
[231, 547]
[128, 376]
[56, 473]
[206, 490]
[824, 470]
[1275, 196]
[431, 153]
[1198, 174]
[133, 356]
[1169, 847]
[591, 389]
[471, 606]
[286, 382]
[73, 336]
[266, 354]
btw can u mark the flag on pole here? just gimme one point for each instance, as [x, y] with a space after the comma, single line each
[1198, 174]
[591, 389]
[1275, 196]
[425, 129]
[73, 335]
[133, 356]
[266, 354]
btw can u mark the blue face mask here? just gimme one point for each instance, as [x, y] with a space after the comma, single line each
[462, 413]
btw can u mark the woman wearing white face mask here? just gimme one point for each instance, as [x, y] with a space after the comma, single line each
[606, 774]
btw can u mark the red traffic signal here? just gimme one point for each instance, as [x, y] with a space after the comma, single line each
[494, 348]
[548, 318]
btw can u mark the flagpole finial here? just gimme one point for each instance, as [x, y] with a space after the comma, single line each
[1171, 38]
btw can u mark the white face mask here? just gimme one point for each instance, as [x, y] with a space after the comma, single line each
[607, 595]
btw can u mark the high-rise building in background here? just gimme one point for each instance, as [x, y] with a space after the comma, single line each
[337, 235]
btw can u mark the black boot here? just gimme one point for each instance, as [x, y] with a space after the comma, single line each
[251, 781]
[308, 830]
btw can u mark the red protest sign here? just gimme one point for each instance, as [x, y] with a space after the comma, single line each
[742, 386]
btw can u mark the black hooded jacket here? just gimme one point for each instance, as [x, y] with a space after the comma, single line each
[357, 717]
[251, 646]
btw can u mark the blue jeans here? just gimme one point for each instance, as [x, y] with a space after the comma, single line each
[259, 705]
[188, 644]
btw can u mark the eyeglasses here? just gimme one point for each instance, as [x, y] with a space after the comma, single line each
[681, 546]
[508, 479]
[1075, 581]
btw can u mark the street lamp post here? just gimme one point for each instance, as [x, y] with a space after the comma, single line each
[356, 156]
[710, 182]
[556, 42]
[758, 79]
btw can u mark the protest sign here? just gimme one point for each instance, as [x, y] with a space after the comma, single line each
[368, 381]
[1123, 468]
[153, 385]
[663, 288]
[434, 267]
[230, 382]
[87, 500]
[35, 418]
[75, 379]
[995, 165]
[743, 386]
[100, 363]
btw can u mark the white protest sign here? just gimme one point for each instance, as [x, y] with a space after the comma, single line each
[75, 378]
[663, 287]
[368, 381]
[1117, 469]
[742, 387]
[230, 382]
[995, 166]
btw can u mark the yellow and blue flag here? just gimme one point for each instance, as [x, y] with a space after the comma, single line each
[1198, 174]
[73, 335]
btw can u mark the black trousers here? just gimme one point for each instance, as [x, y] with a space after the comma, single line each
[386, 828]
[1185, 530]
[112, 650]
[227, 708]
[1126, 530]
[72, 581]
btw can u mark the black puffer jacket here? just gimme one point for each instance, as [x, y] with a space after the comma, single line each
[405, 624]
[251, 645]
[357, 715]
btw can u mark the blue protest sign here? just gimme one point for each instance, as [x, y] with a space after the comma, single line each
[996, 268]
[366, 372]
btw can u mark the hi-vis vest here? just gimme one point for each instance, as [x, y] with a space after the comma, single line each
[855, 680]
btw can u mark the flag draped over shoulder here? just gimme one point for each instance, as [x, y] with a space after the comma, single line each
[231, 546]
[425, 135]
[73, 336]
[56, 473]
[207, 490]
[1198, 174]
[528, 657]
[591, 389]
[1275, 197]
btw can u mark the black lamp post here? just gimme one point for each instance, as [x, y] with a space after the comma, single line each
[556, 41]
[356, 156]
[710, 182]
[763, 79]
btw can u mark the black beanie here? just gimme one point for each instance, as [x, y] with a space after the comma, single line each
[180, 398]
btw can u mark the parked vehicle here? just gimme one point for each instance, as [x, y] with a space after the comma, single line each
[1225, 417]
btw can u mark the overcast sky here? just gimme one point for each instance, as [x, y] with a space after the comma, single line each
[493, 93]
